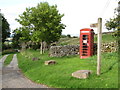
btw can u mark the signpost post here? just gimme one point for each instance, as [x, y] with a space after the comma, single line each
[99, 39]
[99, 46]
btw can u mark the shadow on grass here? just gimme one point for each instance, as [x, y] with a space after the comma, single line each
[111, 67]
[118, 51]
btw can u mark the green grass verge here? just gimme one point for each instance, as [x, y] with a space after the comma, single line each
[8, 59]
[68, 41]
[1, 56]
[106, 38]
[59, 75]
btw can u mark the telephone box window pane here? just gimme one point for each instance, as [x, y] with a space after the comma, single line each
[84, 43]
[84, 49]
[84, 54]
[85, 37]
[85, 46]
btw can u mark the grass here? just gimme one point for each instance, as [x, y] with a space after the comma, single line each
[106, 38]
[1, 56]
[68, 41]
[8, 59]
[75, 41]
[59, 75]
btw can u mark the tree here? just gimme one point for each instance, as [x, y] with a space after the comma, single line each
[36, 37]
[63, 36]
[21, 36]
[69, 36]
[5, 28]
[114, 23]
[44, 22]
[47, 21]
[16, 38]
[0, 34]
[5, 32]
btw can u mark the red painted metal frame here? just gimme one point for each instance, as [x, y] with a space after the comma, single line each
[86, 52]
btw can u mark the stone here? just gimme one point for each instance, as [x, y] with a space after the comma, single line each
[35, 58]
[50, 62]
[81, 74]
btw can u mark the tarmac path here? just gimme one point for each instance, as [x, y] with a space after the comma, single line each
[1, 65]
[13, 78]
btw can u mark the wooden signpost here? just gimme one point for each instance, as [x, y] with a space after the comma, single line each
[99, 46]
[99, 39]
[94, 25]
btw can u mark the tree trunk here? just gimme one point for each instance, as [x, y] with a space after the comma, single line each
[41, 48]
[48, 46]
[23, 46]
[44, 47]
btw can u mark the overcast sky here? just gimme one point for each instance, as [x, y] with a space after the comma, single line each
[78, 13]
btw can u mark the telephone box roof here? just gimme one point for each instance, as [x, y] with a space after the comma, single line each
[86, 29]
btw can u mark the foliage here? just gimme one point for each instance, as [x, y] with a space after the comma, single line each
[1, 56]
[63, 36]
[16, 39]
[36, 36]
[47, 21]
[22, 34]
[59, 75]
[114, 23]
[5, 28]
[8, 59]
[9, 51]
[0, 34]
[69, 36]
[43, 23]
[75, 36]
[5, 32]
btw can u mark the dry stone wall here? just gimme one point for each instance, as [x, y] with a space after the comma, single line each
[109, 47]
[59, 51]
[67, 50]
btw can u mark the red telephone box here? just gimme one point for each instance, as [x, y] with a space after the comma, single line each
[86, 42]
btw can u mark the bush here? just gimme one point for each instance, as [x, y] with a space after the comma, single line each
[75, 36]
[63, 36]
[9, 51]
[69, 36]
